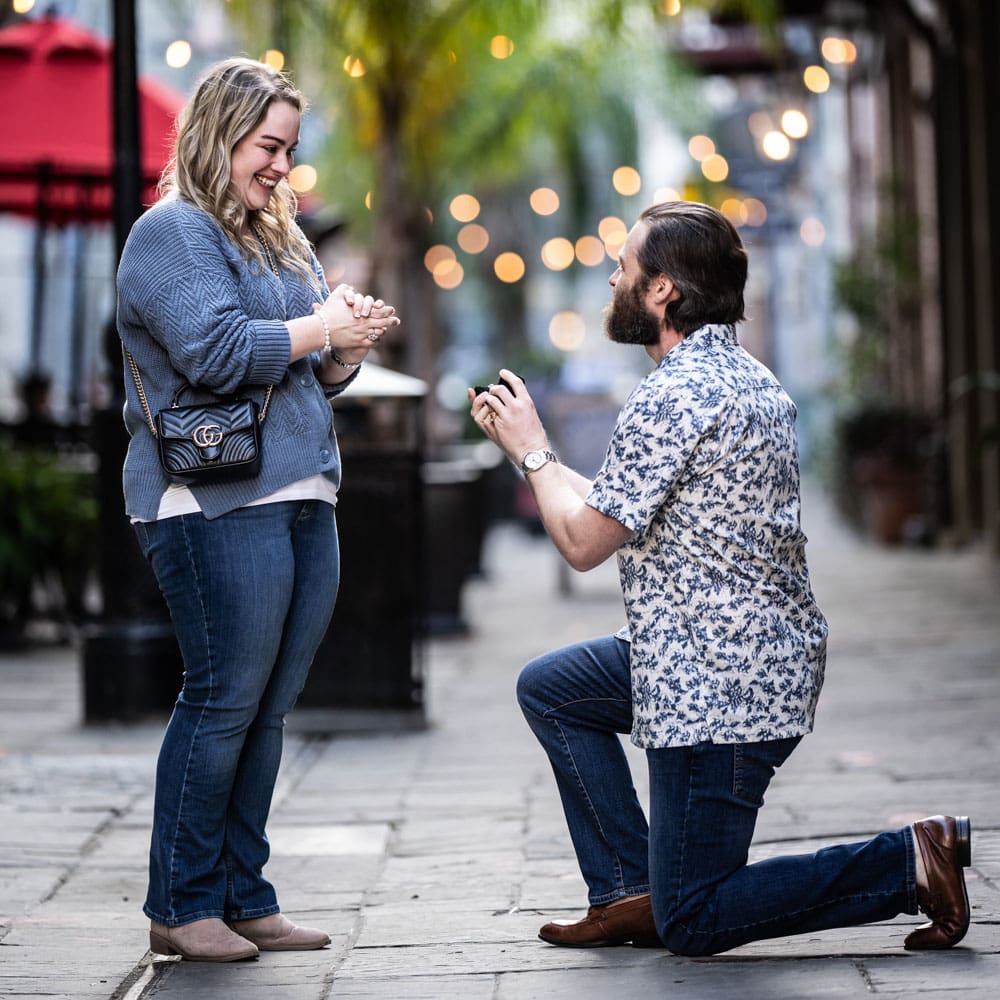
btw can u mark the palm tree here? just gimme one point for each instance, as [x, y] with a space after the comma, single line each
[415, 103]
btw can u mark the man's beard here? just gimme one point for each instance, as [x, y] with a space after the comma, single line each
[628, 321]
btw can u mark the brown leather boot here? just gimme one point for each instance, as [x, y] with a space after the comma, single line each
[945, 843]
[626, 921]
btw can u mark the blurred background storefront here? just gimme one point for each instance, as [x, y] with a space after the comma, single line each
[479, 164]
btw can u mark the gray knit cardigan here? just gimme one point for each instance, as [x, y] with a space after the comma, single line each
[193, 312]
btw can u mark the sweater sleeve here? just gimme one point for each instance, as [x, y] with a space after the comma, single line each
[221, 324]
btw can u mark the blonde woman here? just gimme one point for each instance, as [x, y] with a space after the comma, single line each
[219, 293]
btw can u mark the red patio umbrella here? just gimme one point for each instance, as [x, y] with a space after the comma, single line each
[56, 153]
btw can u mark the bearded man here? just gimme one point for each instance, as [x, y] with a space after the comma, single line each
[717, 673]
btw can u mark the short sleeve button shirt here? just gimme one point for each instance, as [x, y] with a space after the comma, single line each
[727, 642]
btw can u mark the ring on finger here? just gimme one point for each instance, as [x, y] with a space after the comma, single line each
[374, 337]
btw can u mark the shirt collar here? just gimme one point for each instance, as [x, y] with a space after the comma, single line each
[704, 336]
[716, 333]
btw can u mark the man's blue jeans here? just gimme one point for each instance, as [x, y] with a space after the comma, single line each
[692, 855]
[250, 595]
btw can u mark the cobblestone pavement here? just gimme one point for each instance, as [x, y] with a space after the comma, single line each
[433, 856]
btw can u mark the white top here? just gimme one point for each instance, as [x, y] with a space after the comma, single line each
[177, 499]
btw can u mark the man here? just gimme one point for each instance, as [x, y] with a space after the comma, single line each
[718, 671]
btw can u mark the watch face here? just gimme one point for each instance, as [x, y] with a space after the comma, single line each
[534, 460]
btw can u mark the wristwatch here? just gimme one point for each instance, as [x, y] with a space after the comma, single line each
[536, 459]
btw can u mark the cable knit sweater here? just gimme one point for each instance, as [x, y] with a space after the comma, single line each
[193, 312]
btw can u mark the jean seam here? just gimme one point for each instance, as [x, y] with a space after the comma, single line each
[590, 805]
[784, 918]
[201, 719]
[580, 701]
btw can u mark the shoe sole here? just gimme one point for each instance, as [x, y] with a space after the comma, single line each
[641, 942]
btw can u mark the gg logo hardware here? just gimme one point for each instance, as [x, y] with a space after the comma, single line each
[207, 435]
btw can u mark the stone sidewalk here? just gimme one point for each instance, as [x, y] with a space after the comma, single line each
[433, 856]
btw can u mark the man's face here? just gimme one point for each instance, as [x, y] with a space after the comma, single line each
[628, 319]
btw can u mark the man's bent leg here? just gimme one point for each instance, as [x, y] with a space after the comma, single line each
[577, 700]
[706, 899]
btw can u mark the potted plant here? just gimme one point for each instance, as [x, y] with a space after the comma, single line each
[884, 455]
[47, 536]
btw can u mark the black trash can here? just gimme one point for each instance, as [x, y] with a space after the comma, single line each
[368, 671]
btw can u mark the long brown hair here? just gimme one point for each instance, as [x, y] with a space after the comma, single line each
[229, 103]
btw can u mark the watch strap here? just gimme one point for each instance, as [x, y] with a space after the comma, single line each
[547, 456]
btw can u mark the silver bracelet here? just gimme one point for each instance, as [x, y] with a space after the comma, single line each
[350, 366]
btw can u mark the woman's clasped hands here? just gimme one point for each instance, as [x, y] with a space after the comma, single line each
[357, 322]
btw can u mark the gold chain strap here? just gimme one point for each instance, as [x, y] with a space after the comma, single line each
[141, 391]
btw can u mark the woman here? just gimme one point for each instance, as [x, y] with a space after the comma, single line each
[219, 293]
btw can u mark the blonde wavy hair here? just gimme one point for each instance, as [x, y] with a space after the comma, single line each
[229, 103]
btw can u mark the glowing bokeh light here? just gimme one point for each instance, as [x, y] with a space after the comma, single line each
[735, 211]
[666, 194]
[794, 123]
[509, 267]
[448, 274]
[436, 254]
[178, 54]
[464, 207]
[700, 146]
[759, 124]
[610, 226]
[544, 201]
[812, 232]
[834, 50]
[715, 167]
[558, 253]
[626, 181]
[473, 238]
[567, 330]
[670, 7]
[776, 146]
[274, 58]
[816, 79]
[303, 178]
[614, 234]
[756, 212]
[354, 67]
[501, 47]
[590, 251]
[23, 6]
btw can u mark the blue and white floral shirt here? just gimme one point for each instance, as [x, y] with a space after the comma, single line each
[728, 644]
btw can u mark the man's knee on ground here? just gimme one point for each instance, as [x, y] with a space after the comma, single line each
[678, 940]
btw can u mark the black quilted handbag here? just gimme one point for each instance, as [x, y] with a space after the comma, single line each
[211, 442]
[206, 442]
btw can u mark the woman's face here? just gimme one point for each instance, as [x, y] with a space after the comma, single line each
[265, 155]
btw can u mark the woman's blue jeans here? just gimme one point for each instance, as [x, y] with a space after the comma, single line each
[692, 855]
[250, 595]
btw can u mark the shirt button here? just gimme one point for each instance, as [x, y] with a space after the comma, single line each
[306, 380]
[325, 455]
